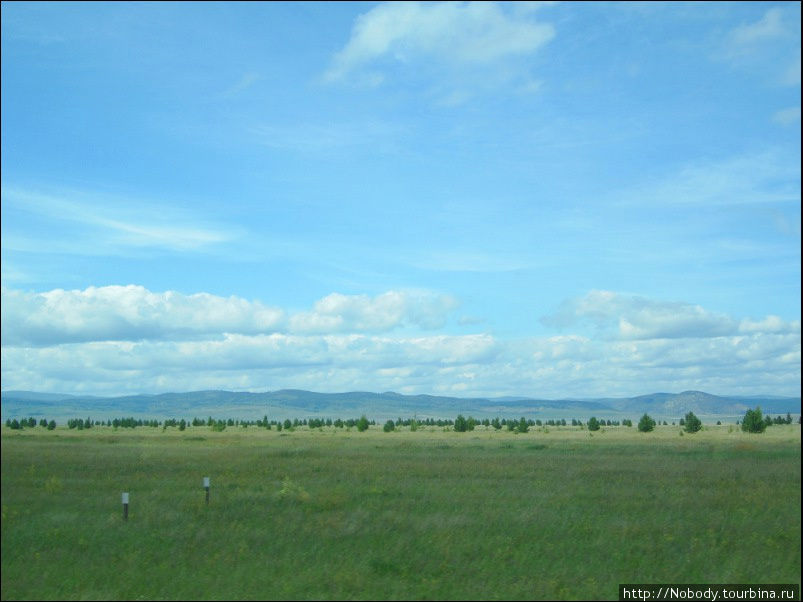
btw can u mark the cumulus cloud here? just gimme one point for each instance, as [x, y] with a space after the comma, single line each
[631, 317]
[261, 361]
[126, 313]
[450, 33]
[116, 340]
[132, 313]
[469, 365]
[337, 313]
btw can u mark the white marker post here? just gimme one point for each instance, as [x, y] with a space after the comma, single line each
[206, 486]
[125, 506]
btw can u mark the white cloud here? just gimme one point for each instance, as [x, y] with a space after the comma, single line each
[788, 116]
[132, 313]
[360, 313]
[115, 340]
[245, 82]
[770, 324]
[769, 27]
[109, 222]
[450, 33]
[127, 313]
[471, 365]
[766, 177]
[768, 46]
[627, 317]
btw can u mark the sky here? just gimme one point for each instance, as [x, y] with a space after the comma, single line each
[464, 198]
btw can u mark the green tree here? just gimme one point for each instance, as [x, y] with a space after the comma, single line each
[646, 424]
[693, 424]
[523, 426]
[753, 421]
[460, 424]
[51, 426]
[362, 424]
[389, 426]
[593, 424]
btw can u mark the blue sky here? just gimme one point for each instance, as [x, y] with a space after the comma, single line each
[546, 199]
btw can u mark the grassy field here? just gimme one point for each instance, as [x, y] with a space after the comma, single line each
[329, 514]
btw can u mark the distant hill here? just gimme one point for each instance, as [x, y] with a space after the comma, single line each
[291, 403]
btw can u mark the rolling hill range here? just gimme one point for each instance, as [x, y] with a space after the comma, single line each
[292, 403]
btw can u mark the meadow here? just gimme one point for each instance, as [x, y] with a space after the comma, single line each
[556, 513]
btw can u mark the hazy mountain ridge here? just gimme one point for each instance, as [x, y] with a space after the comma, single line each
[299, 403]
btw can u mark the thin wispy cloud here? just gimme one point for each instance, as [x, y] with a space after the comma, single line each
[769, 45]
[117, 222]
[448, 36]
[759, 178]
[243, 84]
[771, 26]
[788, 116]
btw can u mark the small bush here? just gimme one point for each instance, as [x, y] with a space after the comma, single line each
[646, 424]
[753, 421]
[693, 424]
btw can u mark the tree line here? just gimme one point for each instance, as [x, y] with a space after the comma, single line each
[754, 422]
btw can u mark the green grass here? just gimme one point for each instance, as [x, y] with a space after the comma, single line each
[425, 515]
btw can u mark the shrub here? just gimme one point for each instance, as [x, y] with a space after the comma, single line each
[362, 424]
[753, 421]
[523, 426]
[646, 424]
[693, 424]
[389, 426]
[593, 424]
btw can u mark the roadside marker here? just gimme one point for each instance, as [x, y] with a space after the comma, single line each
[206, 486]
[125, 506]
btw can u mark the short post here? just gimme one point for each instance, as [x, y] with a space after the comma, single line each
[206, 486]
[125, 506]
